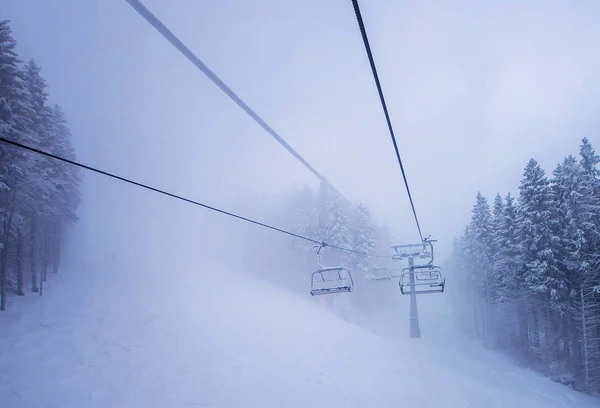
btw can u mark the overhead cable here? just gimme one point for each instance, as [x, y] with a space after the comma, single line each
[363, 33]
[193, 58]
[179, 197]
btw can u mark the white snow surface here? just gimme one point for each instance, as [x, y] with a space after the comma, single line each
[109, 337]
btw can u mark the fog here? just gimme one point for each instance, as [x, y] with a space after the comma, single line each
[474, 90]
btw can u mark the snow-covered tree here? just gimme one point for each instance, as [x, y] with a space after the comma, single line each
[37, 195]
[538, 298]
[587, 286]
[301, 216]
[333, 223]
[479, 244]
[537, 228]
[481, 240]
[364, 238]
[16, 119]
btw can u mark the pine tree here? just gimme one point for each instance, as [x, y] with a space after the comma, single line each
[480, 247]
[301, 214]
[568, 191]
[13, 98]
[37, 195]
[67, 178]
[589, 159]
[16, 113]
[569, 196]
[497, 220]
[481, 238]
[539, 245]
[587, 298]
[591, 189]
[511, 291]
[495, 281]
[465, 304]
[543, 292]
[495, 290]
[64, 195]
[42, 185]
[333, 223]
[364, 238]
[474, 250]
[506, 245]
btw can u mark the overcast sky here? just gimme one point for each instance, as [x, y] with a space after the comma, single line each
[475, 88]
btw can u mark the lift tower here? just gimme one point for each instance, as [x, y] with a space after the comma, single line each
[429, 277]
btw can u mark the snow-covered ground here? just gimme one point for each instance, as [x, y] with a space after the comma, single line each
[110, 336]
[146, 312]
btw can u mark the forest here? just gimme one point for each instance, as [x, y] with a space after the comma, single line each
[325, 216]
[38, 195]
[527, 271]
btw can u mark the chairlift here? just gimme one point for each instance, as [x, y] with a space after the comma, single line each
[396, 273]
[427, 279]
[330, 280]
[420, 251]
[380, 274]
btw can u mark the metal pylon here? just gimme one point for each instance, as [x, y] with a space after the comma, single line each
[415, 329]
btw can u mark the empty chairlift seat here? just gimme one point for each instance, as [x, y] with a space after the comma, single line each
[427, 279]
[380, 274]
[412, 250]
[331, 280]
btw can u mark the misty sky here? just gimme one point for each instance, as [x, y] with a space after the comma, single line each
[474, 89]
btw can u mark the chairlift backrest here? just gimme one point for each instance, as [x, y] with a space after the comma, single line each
[427, 279]
[429, 273]
[380, 274]
[329, 280]
[420, 251]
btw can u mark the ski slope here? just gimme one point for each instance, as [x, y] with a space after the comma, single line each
[105, 335]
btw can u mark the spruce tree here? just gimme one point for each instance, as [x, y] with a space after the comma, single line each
[363, 238]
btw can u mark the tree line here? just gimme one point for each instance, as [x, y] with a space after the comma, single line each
[38, 195]
[527, 271]
[327, 217]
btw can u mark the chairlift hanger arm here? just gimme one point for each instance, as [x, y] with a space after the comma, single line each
[430, 241]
